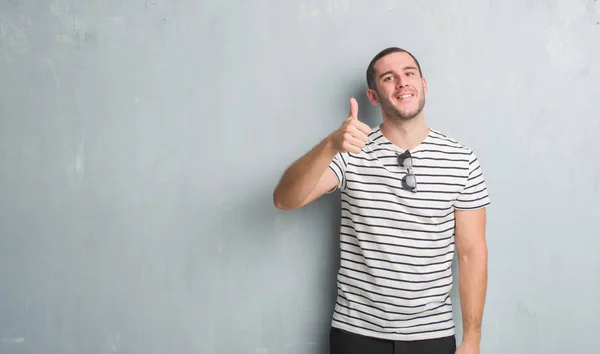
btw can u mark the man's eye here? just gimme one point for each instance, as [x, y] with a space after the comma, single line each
[387, 78]
[410, 74]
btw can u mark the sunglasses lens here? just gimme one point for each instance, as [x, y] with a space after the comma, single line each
[410, 181]
[404, 161]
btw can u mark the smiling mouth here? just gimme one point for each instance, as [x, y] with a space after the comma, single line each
[404, 96]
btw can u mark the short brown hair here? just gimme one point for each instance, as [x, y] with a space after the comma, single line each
[390, 50]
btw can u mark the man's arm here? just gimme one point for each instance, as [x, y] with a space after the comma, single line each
[306, 179]
[472, 262]
[310, 176]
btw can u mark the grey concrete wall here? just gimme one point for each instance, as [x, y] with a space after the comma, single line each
[140, 142]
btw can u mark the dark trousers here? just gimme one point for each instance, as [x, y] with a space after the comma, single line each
[342, 342]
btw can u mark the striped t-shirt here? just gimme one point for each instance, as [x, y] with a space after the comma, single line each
[397, 246]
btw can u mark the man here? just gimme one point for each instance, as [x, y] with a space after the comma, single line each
[410, 196]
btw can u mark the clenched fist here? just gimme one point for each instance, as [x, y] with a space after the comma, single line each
[352, 135]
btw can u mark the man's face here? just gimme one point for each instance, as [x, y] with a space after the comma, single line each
[398, 86]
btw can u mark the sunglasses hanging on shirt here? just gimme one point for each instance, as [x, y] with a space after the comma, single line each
[409, 181]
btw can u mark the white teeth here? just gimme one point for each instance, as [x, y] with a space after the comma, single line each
[405, 96]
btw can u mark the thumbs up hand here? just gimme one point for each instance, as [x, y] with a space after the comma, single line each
[352, 135]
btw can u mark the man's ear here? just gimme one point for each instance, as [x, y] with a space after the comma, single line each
[372, 95]
[424, 85]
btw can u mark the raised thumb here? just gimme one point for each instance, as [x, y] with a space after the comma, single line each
[353, 108]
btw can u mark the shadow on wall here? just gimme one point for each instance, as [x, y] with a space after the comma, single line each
[456, 312]
[327, 207]
[295, 254]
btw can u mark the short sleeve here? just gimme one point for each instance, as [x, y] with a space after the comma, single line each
[475, 193]
[338, 166]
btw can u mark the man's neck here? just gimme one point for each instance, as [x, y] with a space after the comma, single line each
[405, 134]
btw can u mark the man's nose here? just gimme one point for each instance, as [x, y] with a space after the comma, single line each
[401, 82]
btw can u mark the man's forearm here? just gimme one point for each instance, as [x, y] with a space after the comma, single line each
[298, 184]
[303, 175]
[472, 286]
